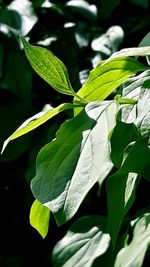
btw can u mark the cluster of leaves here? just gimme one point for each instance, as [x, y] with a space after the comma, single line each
[105, 140]
[114, 132]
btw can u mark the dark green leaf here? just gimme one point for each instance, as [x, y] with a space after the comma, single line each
[121, 185]
[84, 242]
[49, 67]
[120, 194]
[69, 166]
[17, 76]
[122, 135]
[133, 254]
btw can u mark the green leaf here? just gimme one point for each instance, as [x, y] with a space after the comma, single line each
[132, 89]
[39, 218]
[35, 121]
[122, 135]
[84, 242]
[120, 196]
[133, 254]
[49, 67]
[121, 185]
[69, 166]
[106, 77]
[139, 114]
[146, 42]
[142, 121]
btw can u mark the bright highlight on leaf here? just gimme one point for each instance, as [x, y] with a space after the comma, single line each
[35, 121]
[133, 254]
[86, 240]
[70, 165]
[39, 218]
[48, 67]
[106, 77]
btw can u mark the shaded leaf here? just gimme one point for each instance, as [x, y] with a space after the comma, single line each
[17, 76]
[123, 134]
[107, 76]
[133, 254]
[84, 9]
[84, 242]
[121, 185]
[26, 12]
[35, 121]
[49, 67]
[39, 218]
[70, 165]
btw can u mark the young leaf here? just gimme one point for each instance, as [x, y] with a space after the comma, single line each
[49, 67]
[86, 240]
[121, 185]
[133, 254]
[106, 77]
[70, 165]
[35, 121]
[39, 218]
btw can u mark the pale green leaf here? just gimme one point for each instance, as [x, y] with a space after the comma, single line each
[132, 88]
[138, 88]
[86, 240]
[134, 51]
[69, 166]
[35, 121]
[39, 218]
[133, 254]
[48, 67]
[106, 77]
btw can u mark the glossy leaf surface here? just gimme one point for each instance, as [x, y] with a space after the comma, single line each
[107, 76]
[48, 67]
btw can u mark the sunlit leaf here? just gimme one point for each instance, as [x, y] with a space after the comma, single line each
[39, 218]
[49, 67]
[70, 165]
[122, 184]
[86, 239]
[133, 254]
[35, 121]
[106, 77]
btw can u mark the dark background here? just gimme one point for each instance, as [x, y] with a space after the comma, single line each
[23, 93]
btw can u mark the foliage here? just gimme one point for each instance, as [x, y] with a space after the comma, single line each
[92, 152]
